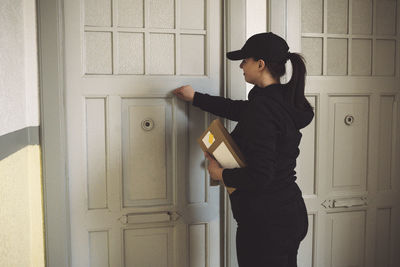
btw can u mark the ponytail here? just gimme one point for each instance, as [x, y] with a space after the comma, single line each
[297, 81]
[295, 86]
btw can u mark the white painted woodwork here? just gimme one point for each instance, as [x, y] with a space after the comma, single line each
[96, 156]
[99, 249]
[349, 173]
[345, 239]
[386, 165]
[349, 145]
[384, 236]
[139, 189]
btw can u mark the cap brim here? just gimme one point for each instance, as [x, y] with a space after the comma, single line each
[236, 55]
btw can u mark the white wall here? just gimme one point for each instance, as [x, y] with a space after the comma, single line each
[19, 102]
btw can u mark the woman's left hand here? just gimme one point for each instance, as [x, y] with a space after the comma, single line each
[214, 168]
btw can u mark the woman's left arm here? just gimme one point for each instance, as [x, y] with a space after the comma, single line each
[262, 132]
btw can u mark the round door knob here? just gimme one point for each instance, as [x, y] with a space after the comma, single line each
[349, 119]
[147, 124]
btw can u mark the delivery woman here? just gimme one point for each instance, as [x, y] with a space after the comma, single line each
[267, 203]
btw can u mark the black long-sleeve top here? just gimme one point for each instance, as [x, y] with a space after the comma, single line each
[268, 134]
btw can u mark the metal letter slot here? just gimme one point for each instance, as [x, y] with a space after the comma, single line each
[345, 202]
[149, 217]
[349, 119]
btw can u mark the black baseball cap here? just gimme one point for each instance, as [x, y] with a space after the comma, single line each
[267, 46]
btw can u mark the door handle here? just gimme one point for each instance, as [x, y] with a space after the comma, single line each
[132, 218]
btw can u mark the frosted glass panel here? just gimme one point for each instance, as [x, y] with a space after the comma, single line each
[385, 53]
[386, 17]
[361, 55]
[337, 56]
[98, 53]
[312, 51]
[311, 16]
[192, 14]
[337, 16]
[98, 12]
[192, 54]
[130, 13]
[162, 13]
[162, 54]
[362, 17]
[131, 53]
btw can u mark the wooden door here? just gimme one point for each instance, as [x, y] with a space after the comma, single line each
[139, 193]
[348, 164]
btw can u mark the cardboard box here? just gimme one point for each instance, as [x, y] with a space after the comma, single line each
[217, 141]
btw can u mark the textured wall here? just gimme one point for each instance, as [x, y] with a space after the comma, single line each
[30, 63]
[18, 65]
[12, 70]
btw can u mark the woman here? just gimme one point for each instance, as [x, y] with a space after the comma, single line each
[267, 205]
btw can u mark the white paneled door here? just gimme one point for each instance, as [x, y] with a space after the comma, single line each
[348, 166]
[139, 193]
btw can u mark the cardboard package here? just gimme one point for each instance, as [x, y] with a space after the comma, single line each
[217, 141]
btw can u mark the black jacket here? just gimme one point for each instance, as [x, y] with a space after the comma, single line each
[268, 134]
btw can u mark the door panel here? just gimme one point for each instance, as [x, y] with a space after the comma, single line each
[139, 190]
[352, 65]
[146, 149]
[345, 242]
[348, 154]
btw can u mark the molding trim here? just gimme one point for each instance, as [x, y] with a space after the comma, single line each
[50, 17]
[235, 88]
[14, 141]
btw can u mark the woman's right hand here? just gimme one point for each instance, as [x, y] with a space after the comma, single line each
[185, 93]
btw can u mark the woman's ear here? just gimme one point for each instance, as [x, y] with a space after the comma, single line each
[261, 64]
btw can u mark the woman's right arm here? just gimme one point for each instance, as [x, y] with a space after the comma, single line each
[217, 105]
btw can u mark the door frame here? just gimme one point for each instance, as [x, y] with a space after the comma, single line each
[50, 21]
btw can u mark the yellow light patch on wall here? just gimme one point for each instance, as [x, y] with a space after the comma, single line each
[21, 224]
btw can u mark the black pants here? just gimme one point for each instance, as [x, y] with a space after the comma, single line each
[273, 240]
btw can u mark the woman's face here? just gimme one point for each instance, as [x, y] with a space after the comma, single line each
[251, 70]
